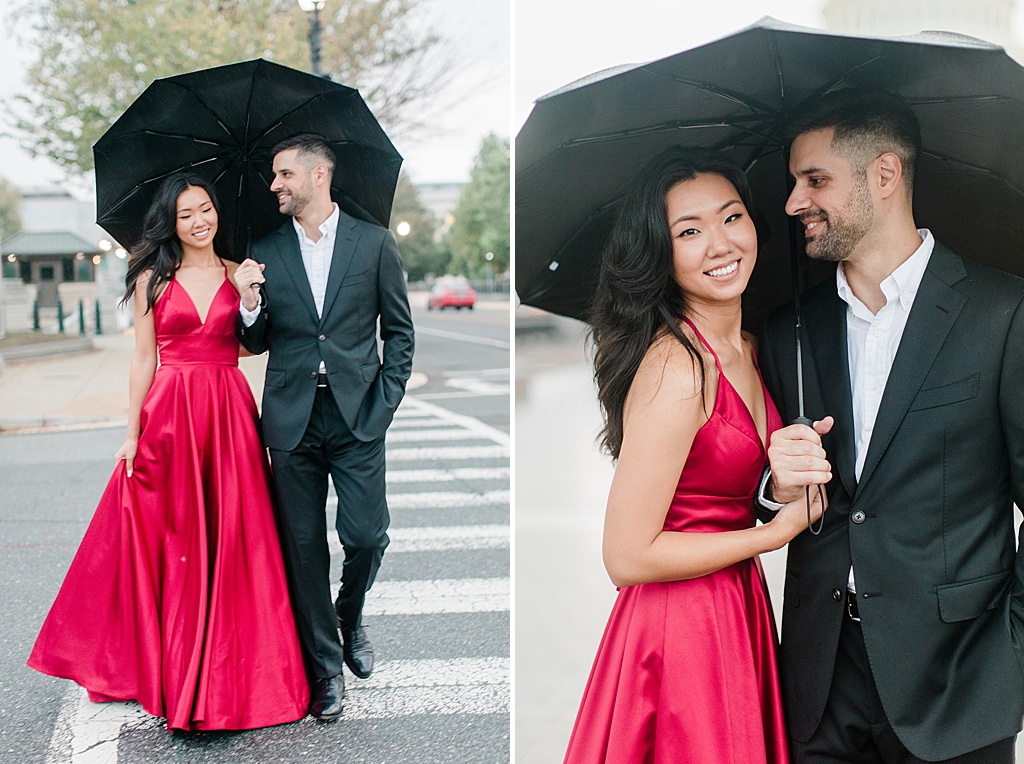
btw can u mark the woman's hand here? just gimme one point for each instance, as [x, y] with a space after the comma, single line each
[127, 452]
[791, 520]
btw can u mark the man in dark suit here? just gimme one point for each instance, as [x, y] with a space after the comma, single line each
[327, 399]
[902, 620]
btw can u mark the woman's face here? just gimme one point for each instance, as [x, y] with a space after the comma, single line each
[197, 218]
[714, 242]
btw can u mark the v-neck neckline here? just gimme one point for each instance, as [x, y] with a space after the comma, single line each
[195, 308]
[762, 441]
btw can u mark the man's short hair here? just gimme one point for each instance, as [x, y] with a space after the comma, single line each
[312, 149]
[867, 123]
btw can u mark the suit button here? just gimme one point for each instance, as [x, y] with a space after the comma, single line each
[312, 375]
[321, 338]
[837, 595]
[858, 516]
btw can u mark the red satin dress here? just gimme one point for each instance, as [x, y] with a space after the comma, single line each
[177, 596]
[686, 671]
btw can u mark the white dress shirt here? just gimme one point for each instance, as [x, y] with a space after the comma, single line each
[316, 258]
[871, 344]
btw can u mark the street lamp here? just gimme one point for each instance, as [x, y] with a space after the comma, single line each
[403, 228]
[313, 7]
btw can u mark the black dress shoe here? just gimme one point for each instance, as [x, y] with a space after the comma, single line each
[326, 703]
[357, 650]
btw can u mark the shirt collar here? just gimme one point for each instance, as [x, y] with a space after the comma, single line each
[902, 284]
[328, 228]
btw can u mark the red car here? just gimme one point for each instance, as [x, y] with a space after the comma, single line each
[452, 293]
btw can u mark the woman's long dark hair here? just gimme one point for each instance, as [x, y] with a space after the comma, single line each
[638, 298]
[160, 248]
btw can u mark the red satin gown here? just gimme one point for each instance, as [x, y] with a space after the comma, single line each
[177, 596]
[686, 671]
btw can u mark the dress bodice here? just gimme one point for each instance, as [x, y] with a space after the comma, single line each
[722, 471]
[182, 338]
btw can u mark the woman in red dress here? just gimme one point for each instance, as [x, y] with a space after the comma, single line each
[177, 596]
[686, 669]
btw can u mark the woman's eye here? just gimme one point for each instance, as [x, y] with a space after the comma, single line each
[734, 216]
[688, 232]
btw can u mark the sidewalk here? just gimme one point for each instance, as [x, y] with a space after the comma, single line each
[84, 389]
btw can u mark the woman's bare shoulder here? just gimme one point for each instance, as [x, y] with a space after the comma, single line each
[669, 372]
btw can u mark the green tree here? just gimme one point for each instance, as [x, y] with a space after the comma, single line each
[482, 220]
[94, 57]
[10, 219]
[420, 253]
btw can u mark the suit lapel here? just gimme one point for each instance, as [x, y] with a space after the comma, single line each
[288, 247]
[935, 310]
[826, 332]
[344, 247]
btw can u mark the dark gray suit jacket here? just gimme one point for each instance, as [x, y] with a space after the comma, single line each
[365, 282]
[940, 588]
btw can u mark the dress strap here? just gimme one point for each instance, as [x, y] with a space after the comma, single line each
[706, 343]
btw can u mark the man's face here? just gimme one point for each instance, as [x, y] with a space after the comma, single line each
[831, 200]
[292, 183]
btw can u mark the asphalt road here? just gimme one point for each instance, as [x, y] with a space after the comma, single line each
[438, 614]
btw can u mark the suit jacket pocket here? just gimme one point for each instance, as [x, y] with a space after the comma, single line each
[355, 278]
[369, 372]
[275, 378]
[944, 395]
[963, 600]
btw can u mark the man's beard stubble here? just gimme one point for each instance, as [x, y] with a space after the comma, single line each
[843, 233]
[298, 201]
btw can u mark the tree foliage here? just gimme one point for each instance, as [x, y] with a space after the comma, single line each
[10, 219]
[420, 253]
[482, 216]
[94, 57]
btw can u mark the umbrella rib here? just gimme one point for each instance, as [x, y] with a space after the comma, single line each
[663, 127]
[302, 105]
[957, 99]
[161, 134]
[202, 103]
[969, 166]
[759, 109]
[124, 199]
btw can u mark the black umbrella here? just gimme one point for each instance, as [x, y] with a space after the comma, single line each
[584, 143]
[221, 123]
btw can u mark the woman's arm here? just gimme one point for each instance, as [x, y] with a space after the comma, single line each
[140, 377]
[243, 351]
[663, 412]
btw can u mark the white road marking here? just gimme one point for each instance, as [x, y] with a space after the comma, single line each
[479, 386]
[440, 687]
[87, 733]
[446, 453]
[467, 422]
[464, 337]
[410, 424]
[453, 595]
[446, 476]
[440, 538]
[438, 499]
[405, 436]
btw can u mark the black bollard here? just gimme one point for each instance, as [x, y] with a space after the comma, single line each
[81, 316]
[35, 315]
[60, 316]
[99, 329]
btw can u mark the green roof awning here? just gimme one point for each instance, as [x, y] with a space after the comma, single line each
[47, 243]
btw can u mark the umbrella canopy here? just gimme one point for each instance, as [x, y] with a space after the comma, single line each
[583, 144]
[221, 124]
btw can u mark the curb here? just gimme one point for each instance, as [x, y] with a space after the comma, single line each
[41, 350]
[35, 424]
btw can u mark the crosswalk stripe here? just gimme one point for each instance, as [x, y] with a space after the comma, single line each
[439, 538]
[466, 422]
[453, 595]
[442, 499]
[406, 688]
[411, 424]
[438, 453]
[405, 436]
[445, 476]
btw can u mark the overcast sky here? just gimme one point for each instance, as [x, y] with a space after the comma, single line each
[478, 28]
[558, 41]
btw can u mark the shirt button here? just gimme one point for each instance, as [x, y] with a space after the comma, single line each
[836, 595]
[321, 338]
[874, 386]
[858, 516]
[878, 332]
[312, 375]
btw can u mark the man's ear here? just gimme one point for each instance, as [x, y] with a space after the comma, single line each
[889, 171]
[321, 174]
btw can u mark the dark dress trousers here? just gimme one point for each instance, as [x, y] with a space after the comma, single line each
[929, 525]
[336, 430]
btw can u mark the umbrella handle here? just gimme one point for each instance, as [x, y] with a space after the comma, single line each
[807, 490]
